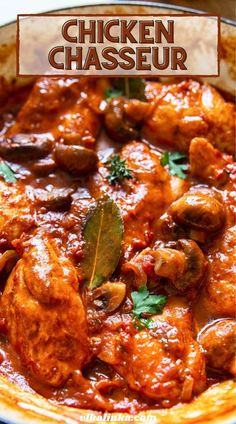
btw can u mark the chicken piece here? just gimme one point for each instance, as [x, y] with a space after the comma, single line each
[45, 317]
[217, 169]
[164, 363]
[141, 199]
[186, 110]
[217, 298]
[68, 108]
[207, 163]
[17, 211]
[221, 283]
[178, 186]
[219, 343]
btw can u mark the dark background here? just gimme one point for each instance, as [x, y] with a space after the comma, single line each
[226, 8]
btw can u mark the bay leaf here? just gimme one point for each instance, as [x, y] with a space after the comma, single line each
[102, 236]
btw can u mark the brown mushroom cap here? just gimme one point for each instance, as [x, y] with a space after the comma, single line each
[218, 340]
[122, 118]
[75, 159]
[117, 127]
[24, 147]
[195, 265]
[198, 211]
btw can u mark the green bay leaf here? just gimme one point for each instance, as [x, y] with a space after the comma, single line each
[103, 233]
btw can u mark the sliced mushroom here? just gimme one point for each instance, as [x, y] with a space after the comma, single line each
[55, 200]
[184, 266]
[123, 116]
[7, 260]
[24, 147]
[136, 265]
[169, 263]
[168, 229]
[75, 159]
[218, 340]
[198, 211]
[195, 265]
[110, 295]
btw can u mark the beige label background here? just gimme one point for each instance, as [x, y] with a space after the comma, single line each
[38, 34]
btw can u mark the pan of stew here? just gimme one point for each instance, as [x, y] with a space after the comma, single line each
[117, 244]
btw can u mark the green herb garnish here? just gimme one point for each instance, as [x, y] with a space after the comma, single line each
[132, 88]
[175, 167]
[140, 323]
[146, 303]
[7, 173]
[118, 170]
[111, 93]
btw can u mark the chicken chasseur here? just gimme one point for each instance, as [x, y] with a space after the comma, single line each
[117, 242]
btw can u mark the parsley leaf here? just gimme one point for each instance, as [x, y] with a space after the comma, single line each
[139, 323]
[117, 170]
[146, 303]
[175, 167]
[110, 93]
[7, 173]
[132, 88]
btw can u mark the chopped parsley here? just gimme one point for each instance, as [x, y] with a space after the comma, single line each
[174, 162]
[7, 173]
[146, 304]
[117, 170]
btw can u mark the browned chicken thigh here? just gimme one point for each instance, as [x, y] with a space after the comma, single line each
[45, 317]
[186, 110]
[219, 291]
[164, 363]
[210, 165]
[67, 108]
[147, 191]
[16, 211]
[218, 169]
